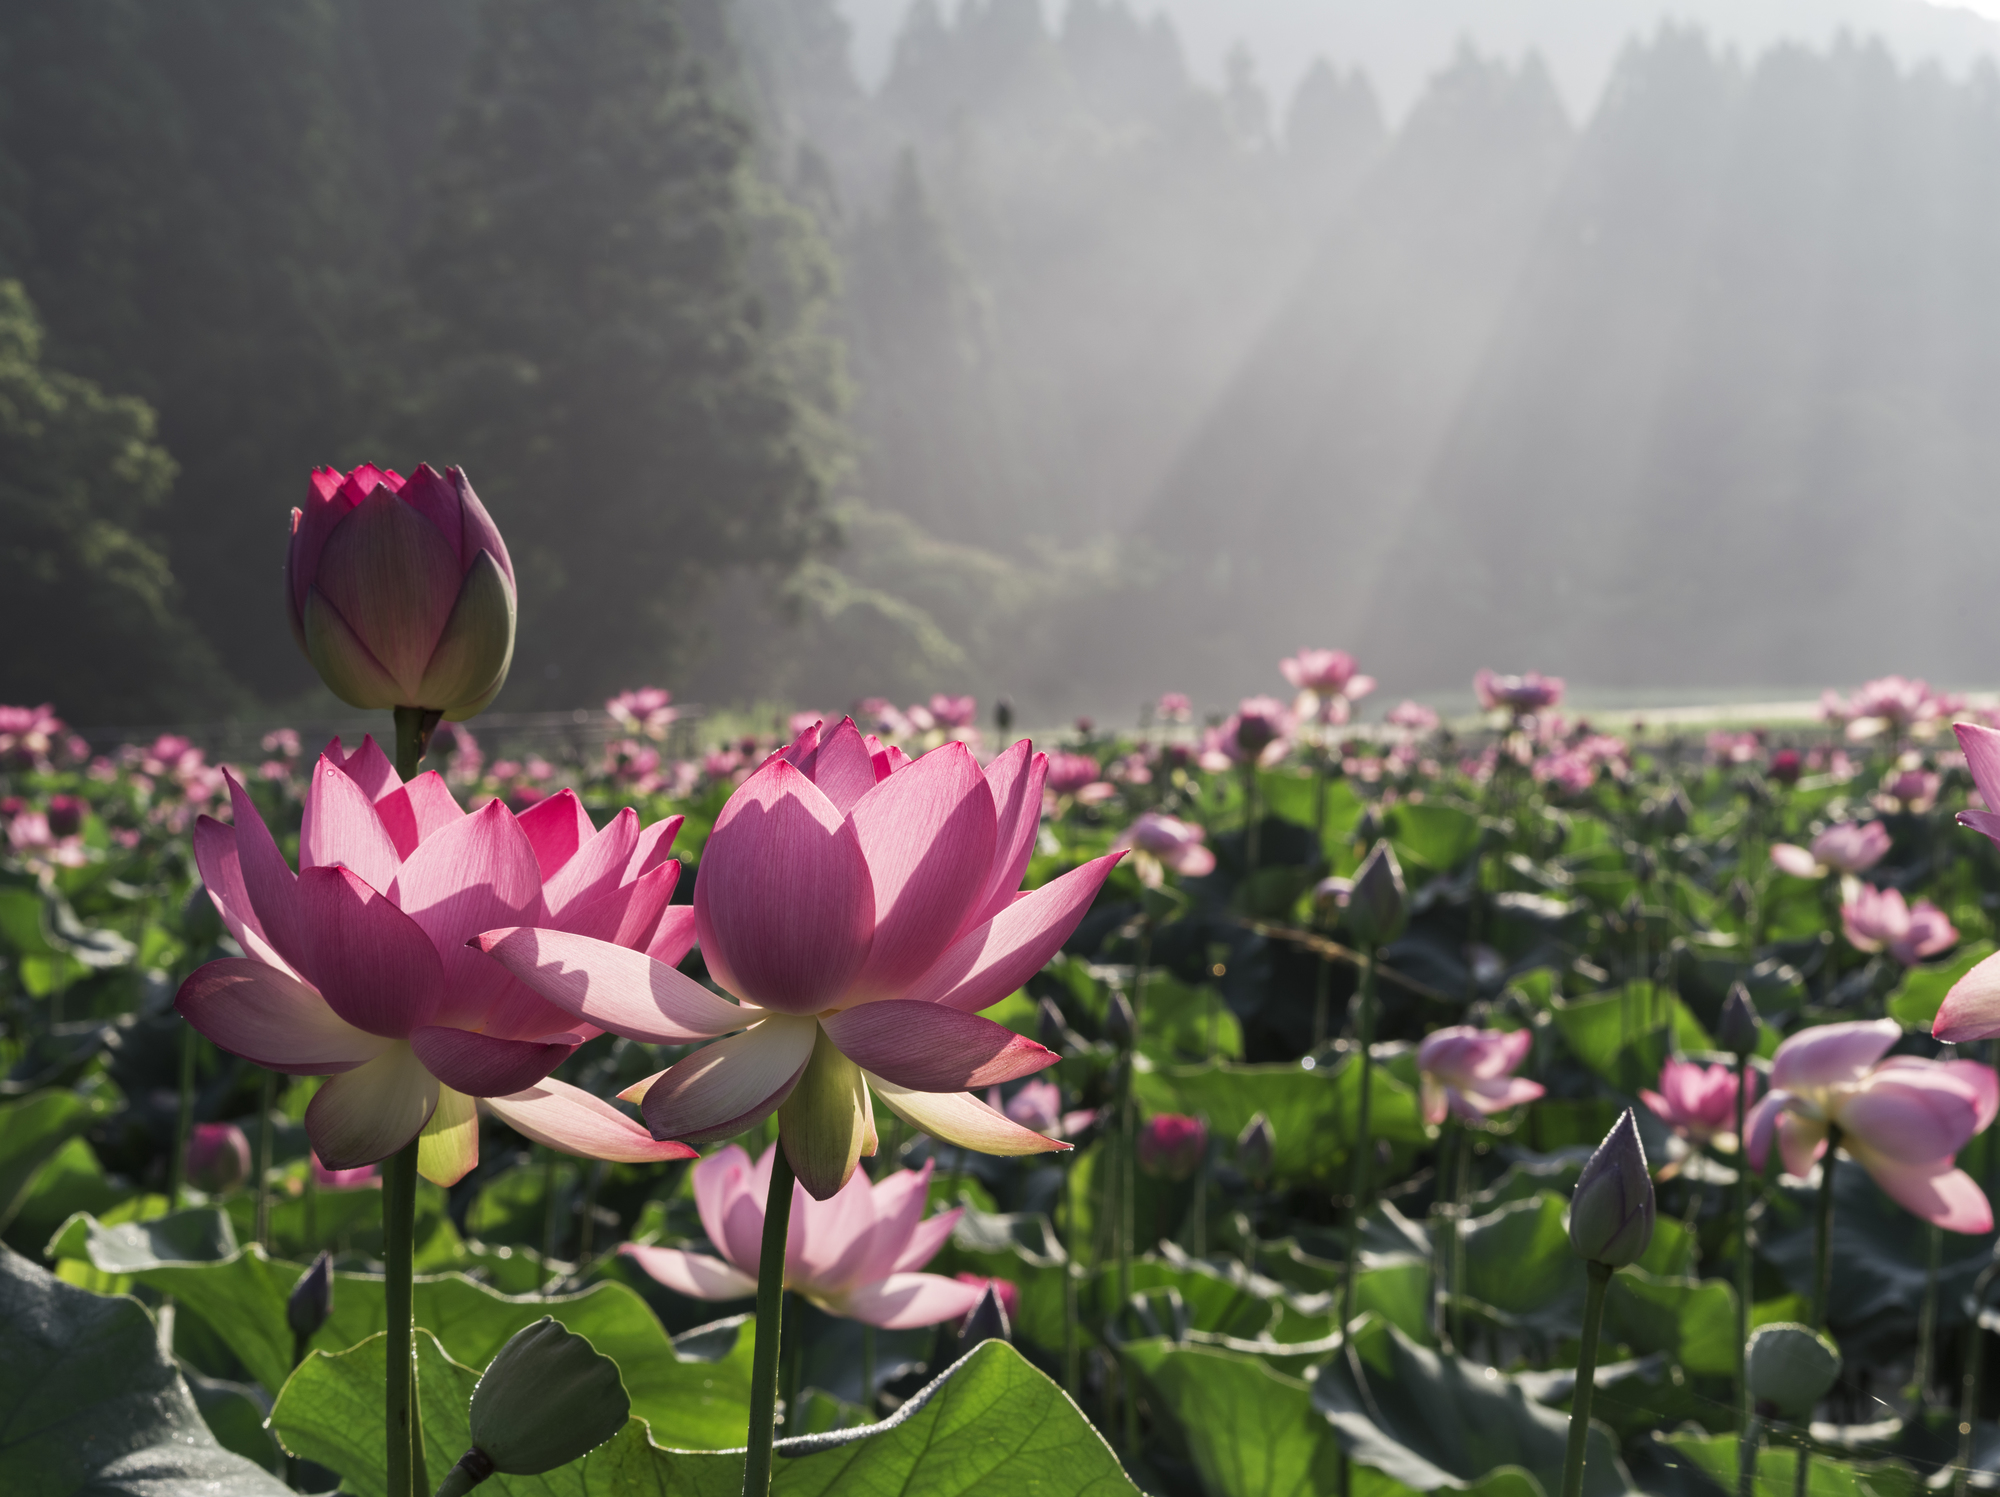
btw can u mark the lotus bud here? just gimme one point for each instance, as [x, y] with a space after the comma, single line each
[1119, 1023]
[65, 815]
[1256, 1147]
[1377, 908]
[546, 1399]
[401, 591]
[1737, 1033]
[1172, 1146]
[311, 1299]
[218, 1157]
[1790, 1368]
[1003, 716]
[1611, 1211]
[1051, 1029]
[988, 1320]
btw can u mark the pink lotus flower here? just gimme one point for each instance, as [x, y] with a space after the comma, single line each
[648, 711]
[354, 1179]
[1520, 695]
[1850, 847]
[1038, 1105]
[1888, 704]
[356, 967]
[1172, 1146]
[1165, 842]
[1901, 1119]
[1072, 774]
[401, 590]
[1913, 791]
[1877, 918]
[218, 1157]
[1327, 684]
[1008, 1291]
[28, 733]
[1412, 717]
[1698, 1102]
[863, 912]
[955, 712]
[1174, 707]
[854, 1254]
[1470, 1072]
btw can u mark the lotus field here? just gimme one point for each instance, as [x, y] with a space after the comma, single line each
[1298, 1098]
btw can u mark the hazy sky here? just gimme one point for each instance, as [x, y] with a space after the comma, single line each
[1401, 42]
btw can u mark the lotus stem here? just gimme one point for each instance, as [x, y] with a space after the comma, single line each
[1322, 1004]
[399, 1210]
[1822, 1287]
[1586, 1377]
[1072, 1378]
[1745, 1260]
[267, 1097]
[1920, 1377]
[1250, 818]
[868, 1368]
[1968, 1387]
[414, 726]
[177, 1163]
[1747, 1445]
[1364, 1046]
[770, 1325]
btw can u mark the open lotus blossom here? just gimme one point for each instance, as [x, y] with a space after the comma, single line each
[1412, 717]
[356, 967]
[1878, 919]
[1889, 704]
[1038, 1105]
[862, 912]
[1520, 695]
[955, 712]
[649, 710]
[1174, 707]
[1848, 847]
[854, 1254]
[1902, 1119]
[1162, 843]
[1078, 777]
[1470, 1072]
[1912, 790]
[1327, 683]
[1698, 1102]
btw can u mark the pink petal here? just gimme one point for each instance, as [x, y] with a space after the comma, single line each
[481, 1066]
[273, 1020]
[372, 963]
[1982, 757]
[1986, 822]
[928, 1047]
[905, 1301]
[900, 1198]
[783, 901]
[925, 1241]
[1801, 1143]
[1943, 1196]
[1831, 1054]
[962, 1119]
[694, 1274]
[841, 766]
[324, 509]
[623, 991]
[556, 828]
[479, 873]
[267, 878]
[367, 766]
[597, 868]
[1015, 780]
[415, 811]
[1502, 1093]
[989, 962]
[1971, 1010]
[426, 492]
[734, 1084]
[674, 938]
[572, 1121]
[448, 1148]
[656, 845]
[341, 829]
[928, 836]
[481, 534]
[720, 1181]
[628, 915]
[222, 875]
[1796, 861]
[365, 1115]
[1191, 860]
[1896, 1114]
[394, 579]
[828, 1240]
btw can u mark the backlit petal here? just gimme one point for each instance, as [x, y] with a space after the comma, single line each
[696, 1275]
[905, 1301]
[373, 964]
[962, 1119]
[1015, 779]
[1982, 757]
[341, 829]
[841, 766]
[989, 962]
[448, 1148]
[623, 991]
[628, 915]
[928, 1047]
[480, 1065]
[656, 845]
[367, 766]
[597, 868]
[674, 937]
[1897, 1115]
[572, 1121]
[720, 1180]
[1971, 1010]
[222, 876]
[414, 811]
[365, 1115]
[267, 878]
[272, 1019]
[1832, 1054]
[478, 874]
[731, 1085]
[556, 828]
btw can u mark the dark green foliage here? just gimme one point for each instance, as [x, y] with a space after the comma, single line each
[88, 601]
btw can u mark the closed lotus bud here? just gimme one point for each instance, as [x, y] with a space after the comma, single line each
[1256, 1147]
[546, 1399]
[1172, 1146]
[311, 1300]
[1737, 1033]
[65, 815]
[401, 590]
[218, 1157]
[1790, 1368]
[1003, 716]
[1119, 1025]
[1377, 907]
[1611, 1212]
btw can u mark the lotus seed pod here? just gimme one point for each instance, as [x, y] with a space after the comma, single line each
[546, 1399]
[1611, 1212]
[1377, 907]
[1790, 1368]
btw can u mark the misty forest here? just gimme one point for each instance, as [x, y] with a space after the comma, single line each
[728, 771]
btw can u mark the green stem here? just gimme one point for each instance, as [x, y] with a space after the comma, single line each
[1823, 1231]
[1745, 1262]
[1322, 1004]
[399, 1211]
[1920, 1390]
[1072, 1371]
[1363, 1140]
[1250, 827]
[789, 1356]
[1968, 1387]
[868, 1368]
[770, 1327]
[473, 1467]
[1747, 1445]
[184, 1127]
[414, 726]
[1586, 1377]
[267, 1098]
[1198, 1226]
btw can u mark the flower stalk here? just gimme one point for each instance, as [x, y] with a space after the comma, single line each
[1358, 1187]
[770, 1302]
[1586, 1376]
[400, 1416]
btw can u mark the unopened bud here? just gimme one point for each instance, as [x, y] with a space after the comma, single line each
[1256, 1147]
[1737, 1033]
[1376, 910]
[1119, 1025]
[1172, 1146]
[311, 1299]
[1003, 716]
[66, 815]
[546, 1399]
[1790, 1367]
[218, 1157]
[988, 1320]
[1611, 1211]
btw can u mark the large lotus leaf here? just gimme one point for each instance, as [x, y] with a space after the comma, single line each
[1777, 1466]
[1182, 1023]
[1432, 835]
[1881, 1254]
[1432, 1421]
[94, 1408]
[1625, 1036]
[1692, 1320]
[33, 1130]
[1918, 997]
[1250, 1432]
